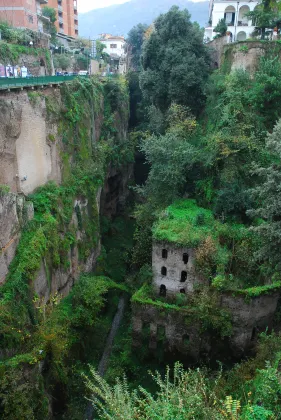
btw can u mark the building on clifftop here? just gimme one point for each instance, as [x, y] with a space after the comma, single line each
[239, 28]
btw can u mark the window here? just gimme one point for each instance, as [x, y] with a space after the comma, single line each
[164, 253]
[254, 333]
[164, 271]
[163, 290]
[30, 19]
[113, 45]
[185, 258]
[182, 291]
[185, 339]
[183, 276]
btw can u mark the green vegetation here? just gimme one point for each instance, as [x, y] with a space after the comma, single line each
[61, 61]
[60, 331]
[10, 53]
[174, 54]
[249, 391]
[4, 189]
[211, 143]
[221, 28]
[50, 26]
[136, 38]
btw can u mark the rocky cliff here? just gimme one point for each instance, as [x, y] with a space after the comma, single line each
[61, 142]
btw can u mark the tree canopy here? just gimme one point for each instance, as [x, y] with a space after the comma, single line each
[135, 40]
[175, 63]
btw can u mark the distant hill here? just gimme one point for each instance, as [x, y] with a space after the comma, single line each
[119, 19]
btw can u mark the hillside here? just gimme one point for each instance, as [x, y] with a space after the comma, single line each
[119, 19]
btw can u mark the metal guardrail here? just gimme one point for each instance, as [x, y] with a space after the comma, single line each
[21, 82]
[18, 82]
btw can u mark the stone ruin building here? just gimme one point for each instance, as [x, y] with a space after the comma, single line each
[173, 269]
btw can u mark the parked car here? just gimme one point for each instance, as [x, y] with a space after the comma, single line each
[83, 73]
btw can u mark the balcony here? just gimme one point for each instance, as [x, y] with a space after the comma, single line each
[60, 19]
[75, 7]
[43, 1]
[76, 27]
[60, 8]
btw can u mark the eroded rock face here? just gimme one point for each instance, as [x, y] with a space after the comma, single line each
[28, 158]
[14, 213]
[50, 281]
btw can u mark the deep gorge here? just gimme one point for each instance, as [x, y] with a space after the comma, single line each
[140, 231]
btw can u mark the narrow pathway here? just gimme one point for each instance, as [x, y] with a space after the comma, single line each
[107, 349]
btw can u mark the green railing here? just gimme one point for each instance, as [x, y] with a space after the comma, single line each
[14, 82]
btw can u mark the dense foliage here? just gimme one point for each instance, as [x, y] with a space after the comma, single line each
[31, 328]
[135, 39]
[195, 394]
[175, 63]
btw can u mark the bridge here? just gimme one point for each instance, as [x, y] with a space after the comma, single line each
[8, 83]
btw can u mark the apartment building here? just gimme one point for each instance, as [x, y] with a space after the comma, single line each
[67, 17]
[23, 13]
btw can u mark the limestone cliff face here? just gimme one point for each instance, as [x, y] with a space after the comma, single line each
[243, 55]
[31, 154]
[14, 213]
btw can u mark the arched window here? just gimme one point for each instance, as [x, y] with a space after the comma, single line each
[229, 15]
[185, 257]
[183, 276]
[242, 18]
[241, 36]
[164, 271]
[182, 291]
[163, 290]
[164, 253]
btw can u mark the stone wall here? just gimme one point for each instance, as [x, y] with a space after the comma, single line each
[171, 271]
[166, 330]
[216, 48]
[185, 336]
[249, 317]
[244, 55]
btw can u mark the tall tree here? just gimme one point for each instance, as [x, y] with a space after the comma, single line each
[175, 63]
[268, 199]
[135, 40]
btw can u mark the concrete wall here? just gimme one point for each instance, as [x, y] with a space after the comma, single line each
[29, 149]
[174, 265]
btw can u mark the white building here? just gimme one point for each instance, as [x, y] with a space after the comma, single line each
[115, 45]
[239, 27]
